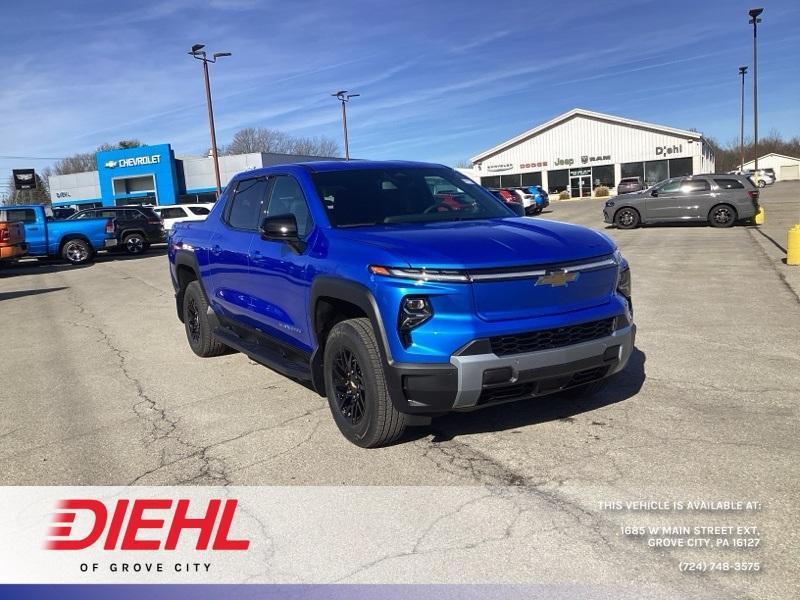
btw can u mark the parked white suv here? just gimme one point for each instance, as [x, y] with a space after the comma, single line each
[175, 213]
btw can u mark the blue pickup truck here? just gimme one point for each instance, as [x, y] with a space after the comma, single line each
[401, 291]
[74, 241]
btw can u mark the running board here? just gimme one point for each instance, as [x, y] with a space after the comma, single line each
[269, 357]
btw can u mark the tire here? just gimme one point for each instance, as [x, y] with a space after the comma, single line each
[77, 251]
[356, 386]
[722, 215]
[195, 320]
[627, 218]
[134, 243]
[762, 183]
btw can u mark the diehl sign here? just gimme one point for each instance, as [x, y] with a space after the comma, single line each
[137, 161]
[663, 150]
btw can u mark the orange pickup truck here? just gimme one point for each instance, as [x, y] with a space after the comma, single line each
[12, 240]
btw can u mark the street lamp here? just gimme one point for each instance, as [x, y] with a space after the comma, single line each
[200, 54]
[344, 97]
[754, 21]
[742, 72]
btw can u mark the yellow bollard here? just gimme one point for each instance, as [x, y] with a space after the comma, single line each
[759, 218]
[793, 246]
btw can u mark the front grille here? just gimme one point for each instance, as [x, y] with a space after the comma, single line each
[530, 389]
[504, 345]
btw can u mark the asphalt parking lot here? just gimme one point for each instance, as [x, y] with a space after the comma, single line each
[101, 388]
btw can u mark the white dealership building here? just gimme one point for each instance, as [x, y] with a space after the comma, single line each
[581, 150]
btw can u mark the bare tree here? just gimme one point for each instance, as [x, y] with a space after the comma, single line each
[261, 139]
[85, 161]
[40, 195]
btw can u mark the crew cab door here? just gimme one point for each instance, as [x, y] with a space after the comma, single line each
[280, 275]
[664, 202]
[697, 198]
[228, 263]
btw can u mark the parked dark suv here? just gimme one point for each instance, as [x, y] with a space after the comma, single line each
[628, 185]
[136, 226]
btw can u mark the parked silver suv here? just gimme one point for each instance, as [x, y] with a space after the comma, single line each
[719, 199]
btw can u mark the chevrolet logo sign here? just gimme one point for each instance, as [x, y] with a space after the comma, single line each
[557, 278]
[110, 164]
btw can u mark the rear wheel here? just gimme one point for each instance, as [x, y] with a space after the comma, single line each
[722, 215]
[627, 218]
[77, 251]
[357, 393]
[134, 243]
[762, 183]
[195, 319]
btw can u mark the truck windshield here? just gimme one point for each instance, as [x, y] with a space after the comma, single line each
[358, 197]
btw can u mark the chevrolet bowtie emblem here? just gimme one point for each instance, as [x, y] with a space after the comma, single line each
[557, 278]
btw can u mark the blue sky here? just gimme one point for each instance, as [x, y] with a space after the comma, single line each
[439, 80]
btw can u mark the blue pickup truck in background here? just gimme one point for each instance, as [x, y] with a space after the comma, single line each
[401, 291]
[74, 241]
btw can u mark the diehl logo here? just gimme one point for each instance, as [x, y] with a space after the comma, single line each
[663, 150]
[134, 162]
[557, 279]
[163, 515]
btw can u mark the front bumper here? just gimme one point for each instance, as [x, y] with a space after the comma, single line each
[460, 386]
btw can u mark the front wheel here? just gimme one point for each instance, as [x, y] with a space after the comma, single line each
[77, 251]
[195, 319]
[627, 218]
[722, 215]
[356, 386]
[134, 243]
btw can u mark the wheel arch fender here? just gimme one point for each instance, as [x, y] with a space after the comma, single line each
[187, 270]
[350, 292]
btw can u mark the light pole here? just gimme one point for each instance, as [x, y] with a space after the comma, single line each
[754, 21]
[344, 97]
[198, 53]
[742, 72]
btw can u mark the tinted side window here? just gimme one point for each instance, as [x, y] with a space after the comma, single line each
[172, 213]
[287, 198]
[670, 187]
[21, 215]
[244, 208]
[199, 210]
[729, 184]
[691, 186]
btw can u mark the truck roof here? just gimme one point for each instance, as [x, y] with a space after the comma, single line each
[324, 166]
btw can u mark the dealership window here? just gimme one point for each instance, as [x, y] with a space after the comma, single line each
[634, 169]
[558, 181]
[655, 171]
[603, 175]
[491, 182]
[510, 180]
[529, 179]
[680, 167]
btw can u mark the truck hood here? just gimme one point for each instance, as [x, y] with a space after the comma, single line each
[485, 243]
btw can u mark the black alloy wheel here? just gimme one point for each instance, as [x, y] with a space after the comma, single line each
[722, 216]
[348, 381]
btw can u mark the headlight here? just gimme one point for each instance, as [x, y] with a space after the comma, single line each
[420, 274]
[414, 311]
[624, 282]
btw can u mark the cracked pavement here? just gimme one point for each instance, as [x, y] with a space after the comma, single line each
[100, 388]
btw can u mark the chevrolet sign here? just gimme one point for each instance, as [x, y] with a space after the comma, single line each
[136, 161]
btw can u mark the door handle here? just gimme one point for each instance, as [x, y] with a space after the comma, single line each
[255, 254]
[215, 249]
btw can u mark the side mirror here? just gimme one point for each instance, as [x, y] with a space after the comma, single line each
[517, 208]
[654, 193]
[282, 228]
